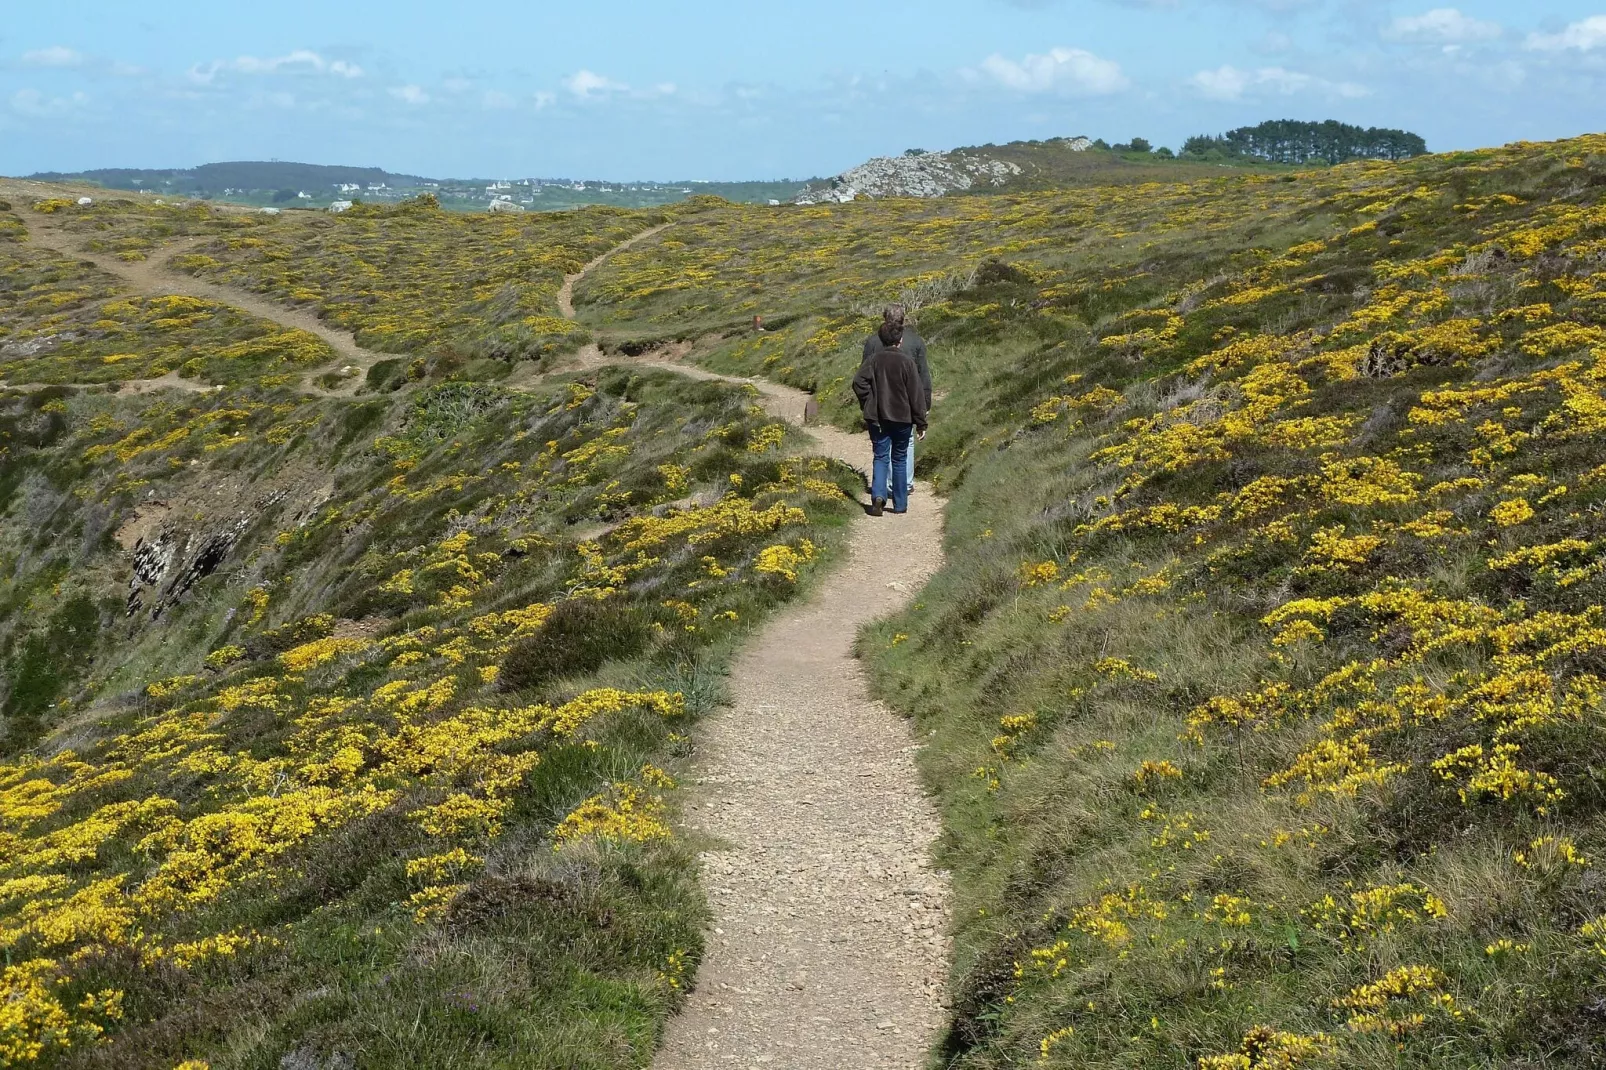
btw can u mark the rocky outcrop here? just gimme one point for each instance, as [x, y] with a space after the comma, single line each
[920, 174]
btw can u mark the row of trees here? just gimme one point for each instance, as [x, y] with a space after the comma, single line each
[1291, 141]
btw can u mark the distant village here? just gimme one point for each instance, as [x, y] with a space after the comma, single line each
[500, 195]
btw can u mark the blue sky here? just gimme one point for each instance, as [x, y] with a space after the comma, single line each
[725, 90]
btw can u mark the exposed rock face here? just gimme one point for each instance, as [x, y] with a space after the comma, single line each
[168, 561]
[930, 174]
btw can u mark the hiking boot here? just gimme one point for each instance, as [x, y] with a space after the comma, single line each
[877, 506]
[898, 512]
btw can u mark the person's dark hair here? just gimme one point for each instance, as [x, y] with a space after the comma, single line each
[890, 333]
[894, 316]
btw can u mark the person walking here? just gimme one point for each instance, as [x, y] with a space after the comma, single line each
[915, 347]
[894, 405]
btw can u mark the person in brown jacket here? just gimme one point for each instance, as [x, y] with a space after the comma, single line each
[893, 401]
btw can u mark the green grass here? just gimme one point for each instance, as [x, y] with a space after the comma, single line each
[1272, 530]
[544, 957]
[1137, 882]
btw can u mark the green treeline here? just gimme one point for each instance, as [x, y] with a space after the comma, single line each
[1292, 141]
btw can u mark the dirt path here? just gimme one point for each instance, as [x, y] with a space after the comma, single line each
[170, 381]
[829, 945]
[156, 276]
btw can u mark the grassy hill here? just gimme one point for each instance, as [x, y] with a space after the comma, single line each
[344, 725]
[1052, 164]
[1263, 681]
[1262, 687]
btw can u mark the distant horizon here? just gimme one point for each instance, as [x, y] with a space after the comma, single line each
[731, 91]
[44, 175]
[37, 175]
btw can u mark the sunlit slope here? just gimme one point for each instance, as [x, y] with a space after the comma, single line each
[406, 278]
[1264, 680]
[343, 727]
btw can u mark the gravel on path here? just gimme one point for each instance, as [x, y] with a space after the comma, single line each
[829, 947]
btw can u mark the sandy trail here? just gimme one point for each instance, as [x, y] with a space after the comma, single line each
[566, 291]
[829, 947]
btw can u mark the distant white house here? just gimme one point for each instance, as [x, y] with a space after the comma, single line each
[339, 206]
[303, 195]
[348, 187]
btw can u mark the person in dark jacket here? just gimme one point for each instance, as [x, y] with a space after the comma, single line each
[915, 346]
[894, 406]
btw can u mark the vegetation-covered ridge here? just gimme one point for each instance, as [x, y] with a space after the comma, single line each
[1264, 680]
[345, 728]
[404, 279]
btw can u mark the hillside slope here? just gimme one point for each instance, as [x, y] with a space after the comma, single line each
[340, 730]
[1264, 678]
[1262, 683]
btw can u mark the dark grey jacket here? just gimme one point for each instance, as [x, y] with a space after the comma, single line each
[912, 345]
[888, 389]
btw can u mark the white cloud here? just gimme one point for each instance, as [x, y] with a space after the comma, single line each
[1073, 69]
[1585, 35]
[1223, 83]
[584, 84]
[302, 60]
[409, 94]
[1274, 41]
[1231, 83]
[1444, 25]
[34, 104]
[498, 100]
[544, 99]
[54, 56]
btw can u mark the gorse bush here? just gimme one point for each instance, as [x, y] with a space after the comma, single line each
[1263, 678]
[576, 639]
[296, 789]
[1262, 686]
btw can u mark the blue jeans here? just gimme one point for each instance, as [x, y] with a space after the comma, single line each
[890, 444]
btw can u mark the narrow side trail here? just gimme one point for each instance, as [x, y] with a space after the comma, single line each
[566, 291]
[154, 277]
